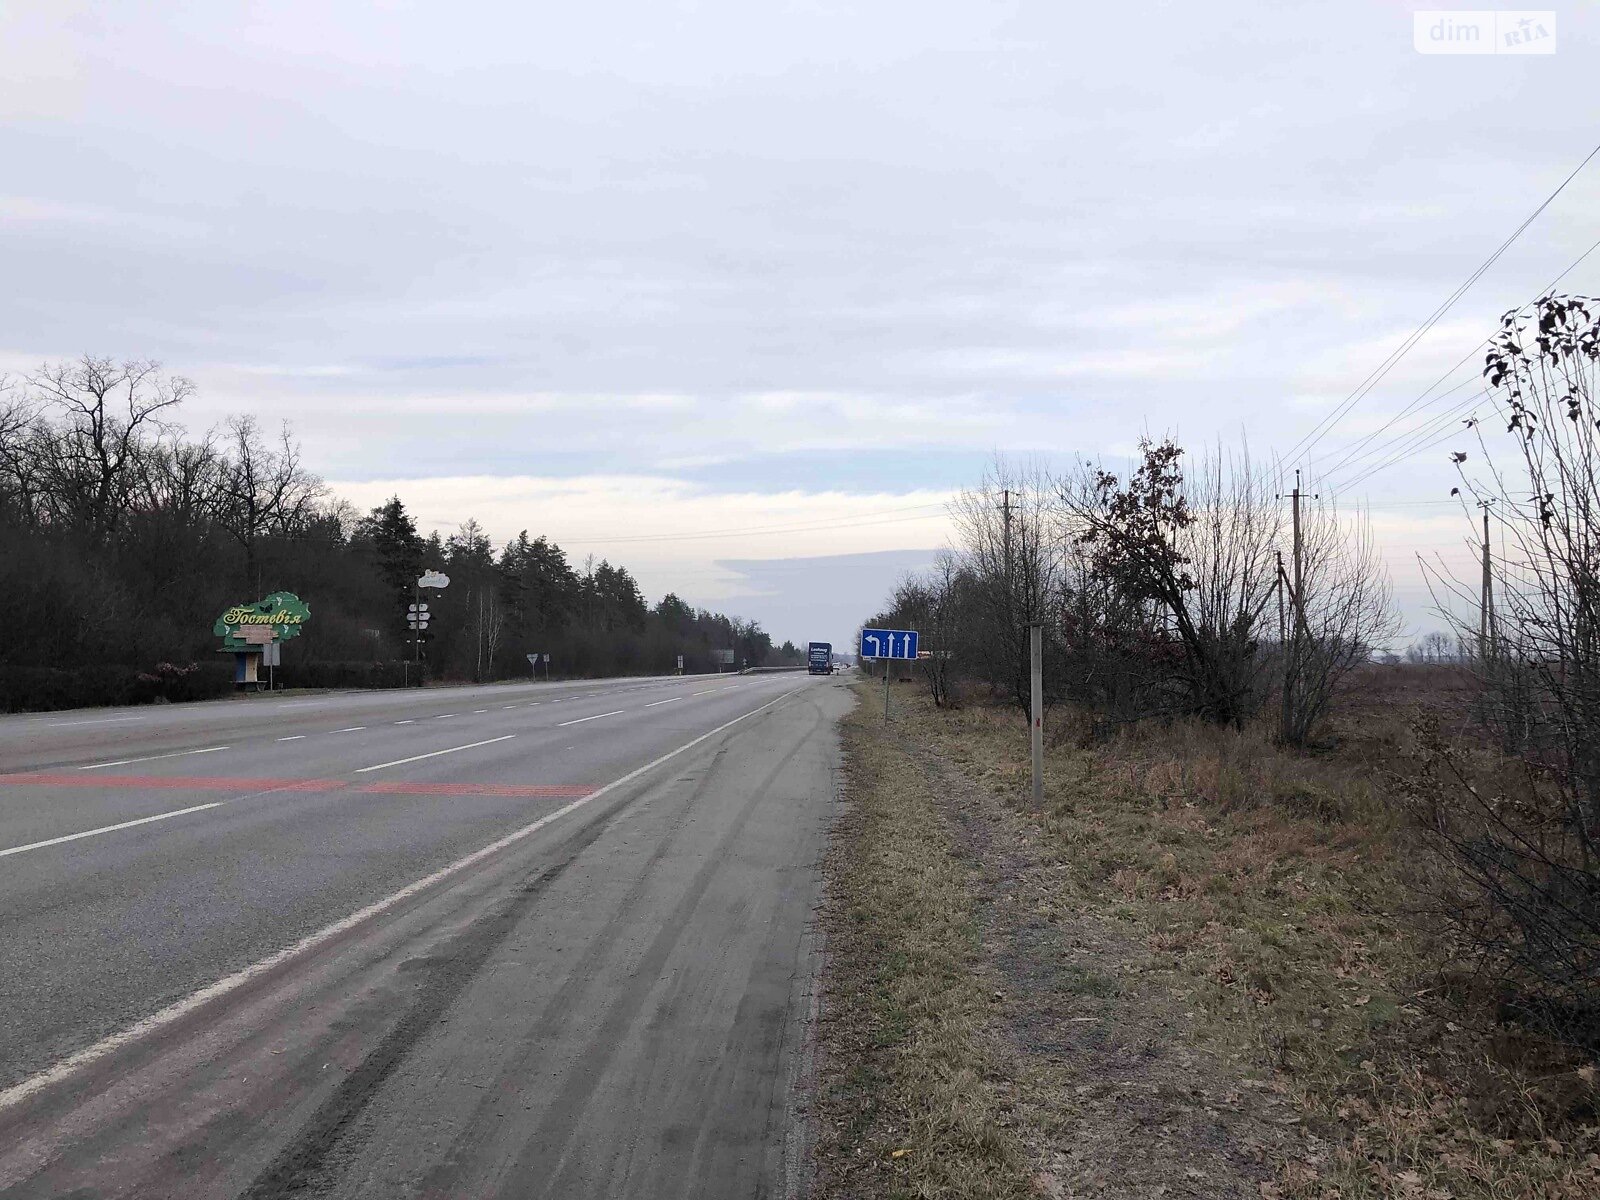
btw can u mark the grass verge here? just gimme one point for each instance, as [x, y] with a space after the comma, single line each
[1190, 973]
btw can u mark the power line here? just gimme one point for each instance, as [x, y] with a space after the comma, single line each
[1359, 453]
[1373, 378]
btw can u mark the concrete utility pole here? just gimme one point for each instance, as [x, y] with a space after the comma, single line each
[1036, 708]
[1299, 565]
[1292, 649]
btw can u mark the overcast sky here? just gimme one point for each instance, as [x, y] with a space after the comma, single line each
[624, 272]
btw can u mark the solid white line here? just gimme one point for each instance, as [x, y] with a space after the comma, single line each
[653, 703]
[596, 717]
[176, 1011]
[293, 737]
[72, 837]
[350, 729]
[122, 762]
[433, 754]
[103, 721]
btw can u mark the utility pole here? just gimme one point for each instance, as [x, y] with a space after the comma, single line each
[1486, 597]
[1297, 602]
[1287, 703]
[1299, 564]
[1005, 542]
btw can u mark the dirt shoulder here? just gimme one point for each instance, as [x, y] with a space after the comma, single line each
[1175, 980]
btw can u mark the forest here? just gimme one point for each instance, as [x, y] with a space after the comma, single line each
[123, 537]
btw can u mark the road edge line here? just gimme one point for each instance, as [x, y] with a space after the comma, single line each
[89, 1055]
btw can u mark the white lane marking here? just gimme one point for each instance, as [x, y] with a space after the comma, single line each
[433, 754]
[179, 1009]
[653, 703]
[350, 729]
[442, 716]
[409, 721]
[88, 833]
[707, 692]
[503, 707]
[102, 721]
[476, 711]
[596, 717]
[122, 762]
[293, 737]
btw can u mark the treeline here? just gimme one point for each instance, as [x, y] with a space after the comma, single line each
[122, 538]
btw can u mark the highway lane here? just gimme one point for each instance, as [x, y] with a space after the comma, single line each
[84, 734]
[699, 863]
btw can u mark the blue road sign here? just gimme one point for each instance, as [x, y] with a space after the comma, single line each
[889, 643]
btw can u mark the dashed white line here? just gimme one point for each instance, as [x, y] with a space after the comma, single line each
[122, 762]
[407, 721]
[88, 833]
[102, 721]
[433, 754]
[596, 717]
[476, 711]
[707, 692]
[350, 729]
[293, 737]
[442, 716]
[653, 703]
[503, 707]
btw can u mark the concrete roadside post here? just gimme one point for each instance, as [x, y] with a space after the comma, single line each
[1036, 708]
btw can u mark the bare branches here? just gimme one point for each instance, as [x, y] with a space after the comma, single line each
[107, 412]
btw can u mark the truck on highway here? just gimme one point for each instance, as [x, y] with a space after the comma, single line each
[819, 658]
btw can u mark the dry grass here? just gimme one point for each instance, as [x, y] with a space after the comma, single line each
[1246, 900]
[908, 1107]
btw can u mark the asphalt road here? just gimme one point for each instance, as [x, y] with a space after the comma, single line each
[526, 940]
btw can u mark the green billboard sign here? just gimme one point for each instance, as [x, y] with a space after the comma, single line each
[283, 613]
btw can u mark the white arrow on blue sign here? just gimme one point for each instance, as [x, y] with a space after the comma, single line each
[889, 643]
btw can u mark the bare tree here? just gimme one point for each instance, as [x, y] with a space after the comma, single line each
[1010, 541]
[1343, 612]
[109, 408]
[1529, 863]
[1194, 555]
[265, 490]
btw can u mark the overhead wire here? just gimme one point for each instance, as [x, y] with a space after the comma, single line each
[1376, 375]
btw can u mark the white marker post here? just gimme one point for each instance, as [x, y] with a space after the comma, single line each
[1036, 708]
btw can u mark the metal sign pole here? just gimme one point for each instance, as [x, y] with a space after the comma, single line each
[887, 663]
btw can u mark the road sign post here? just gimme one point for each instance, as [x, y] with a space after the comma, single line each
[888, 644]
[417, 618]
